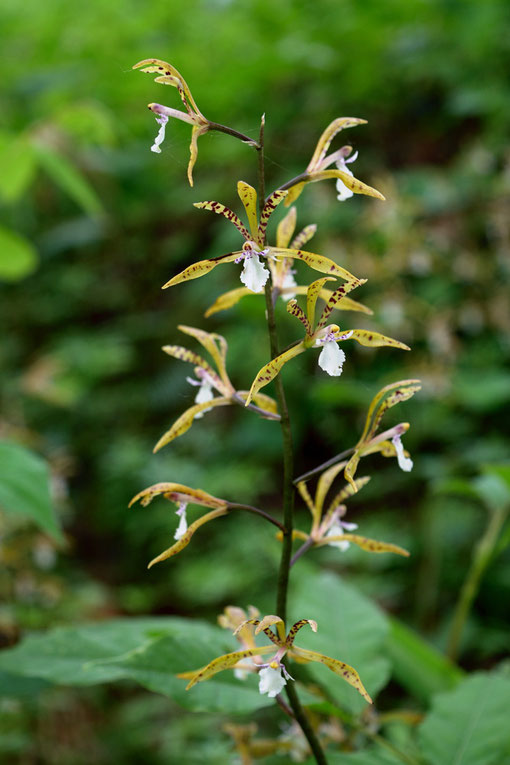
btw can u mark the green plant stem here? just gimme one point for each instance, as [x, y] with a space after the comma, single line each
[255, 511]
[288, 487]
[233, 133]
[321, 468]
[481, 558]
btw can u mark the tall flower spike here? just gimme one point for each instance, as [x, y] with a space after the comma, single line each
[168, 75]
[209, 379]
[273, 681]
[325, 336]
[317, 169]
[254, 242]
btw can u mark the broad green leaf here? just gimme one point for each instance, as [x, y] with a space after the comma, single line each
[18, 257]
[69, 179]
[24, 487]
[351, 629]
[17, 687]
[17, 167]
[469, 725]
[149, 651]
[419, 667]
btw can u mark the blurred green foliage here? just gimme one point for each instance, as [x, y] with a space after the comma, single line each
[92, 224]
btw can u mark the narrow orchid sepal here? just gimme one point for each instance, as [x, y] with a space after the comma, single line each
[227, 661]
[188, 534]
[370, 545]
[185, 421]
[345, 671]
[270, 370]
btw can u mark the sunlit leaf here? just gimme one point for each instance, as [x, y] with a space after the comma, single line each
[18, 257]
[17, 167]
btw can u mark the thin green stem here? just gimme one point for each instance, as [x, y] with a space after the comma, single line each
[256, 511]
[233, 133]
[288, 487]
[481, 558]
[324, 466]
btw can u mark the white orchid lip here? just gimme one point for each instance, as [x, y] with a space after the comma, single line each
[343, 192]
[404, 463]
[254, 274]
[183, 523]
[205, 392]
[337, 529]
[161, 120]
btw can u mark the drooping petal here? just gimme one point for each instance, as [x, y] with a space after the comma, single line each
[204, 395]
[196, 132]
[295, 309]
[254, 274]
[335, 535]
[226, 662]
[387, 397]
[269, 371]
[343, 192]
[177, 492]
[346, 672]
[312, 293]
[186, 537]
[248, 197]
[352, 183]
[297, 626]
[270, 206]
[324, 142]
[271, 681]
[404, 463]
[184, 422]
[371, 545]
[168, 75]
[227, 300]
[331, 358]
[183, 522]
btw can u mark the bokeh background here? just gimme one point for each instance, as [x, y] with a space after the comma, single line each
[93, 223]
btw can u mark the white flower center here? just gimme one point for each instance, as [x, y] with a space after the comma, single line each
[331, 358]
[404, 463]
[254, 274]
[271, 681]
[204, 393]
[336, 530]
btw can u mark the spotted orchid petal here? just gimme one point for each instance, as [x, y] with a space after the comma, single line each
[184, 354]
[286, 228]
[177, 492]
[187, 535]
[227, 213]
[344, 671]
[185, 421]
[227, 661]
[375, 339]
[248, 197]
[269, 371]
[317, 262]
[371, 545]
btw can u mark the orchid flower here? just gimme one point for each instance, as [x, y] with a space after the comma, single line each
[254, 274]
[273, 674]
[282, 272]
[325, 336]
[168, 75]
[182, 496]
[233, 618]
[317, 169]
[389, 442]
[327, 527]
[209, 379]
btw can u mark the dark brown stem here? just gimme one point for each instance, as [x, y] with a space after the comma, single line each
[257, 511]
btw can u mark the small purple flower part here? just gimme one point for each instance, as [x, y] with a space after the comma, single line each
[161, 120]
[343, 192]
[183, 523]
[337, 529]
[404, 463]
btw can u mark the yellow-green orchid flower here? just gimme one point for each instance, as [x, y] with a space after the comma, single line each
[168, 75]
[388, 443]
[254, 274]
[182, 496]
[273, 675]
[324, 335]
[209, 379]
[282, 273]
[317, 169]
[327, 527]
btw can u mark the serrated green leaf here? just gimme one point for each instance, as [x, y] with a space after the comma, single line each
[469, 725]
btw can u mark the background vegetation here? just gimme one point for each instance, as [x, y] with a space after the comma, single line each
[92, 223]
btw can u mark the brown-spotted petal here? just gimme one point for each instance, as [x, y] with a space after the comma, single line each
[210, 341]
[336, 298]
[295, 309]
[270, 206]
[185, 421]
[248, 197]
[269, 371]
[317, 262]
[286, 228]
[227, 213]
[324, 142]
[227, 300]
[303, 237]
[183, 354]
[186, 538]
[227, 661]
[202, 267]
[312, 293]
[387, 397]
[297, 626]
[375, 339]
[344, 671]
[177, 492]
[371, 545]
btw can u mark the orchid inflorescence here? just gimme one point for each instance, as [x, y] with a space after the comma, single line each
[270, 269]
